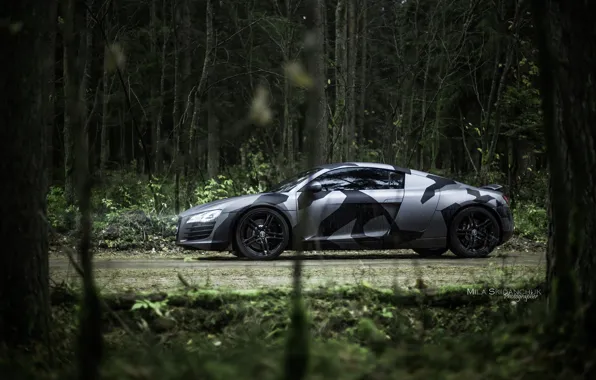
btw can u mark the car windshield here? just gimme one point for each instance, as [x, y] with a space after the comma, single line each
[289, 184]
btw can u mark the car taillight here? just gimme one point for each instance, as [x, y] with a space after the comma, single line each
[506, 198]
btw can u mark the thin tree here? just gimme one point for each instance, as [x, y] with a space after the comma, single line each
[90, 345]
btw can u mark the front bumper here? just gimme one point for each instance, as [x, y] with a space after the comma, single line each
[507, 224]
[211, 236]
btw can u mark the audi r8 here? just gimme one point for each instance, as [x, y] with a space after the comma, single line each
[353, 206]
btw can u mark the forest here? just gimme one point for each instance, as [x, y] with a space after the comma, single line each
[117, 115]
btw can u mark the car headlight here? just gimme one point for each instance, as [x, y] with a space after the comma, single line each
[204, 217]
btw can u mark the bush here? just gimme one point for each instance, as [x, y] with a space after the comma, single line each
[131, 229]
[530, 221]
[126, 214]
[59, 214]
[221, 188]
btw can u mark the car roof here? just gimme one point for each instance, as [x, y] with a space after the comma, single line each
[363, 165]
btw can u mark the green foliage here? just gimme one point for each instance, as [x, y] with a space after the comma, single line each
[531, 221]
[126, 190]
[132, 228]
[213, 190]
[521, 105]
[356, 333]
[59, 213]
[222, 187]
[125, 212]
[156, 307]
[532, 187]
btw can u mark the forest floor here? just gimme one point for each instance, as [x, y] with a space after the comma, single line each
[139, 271]
[368, 316]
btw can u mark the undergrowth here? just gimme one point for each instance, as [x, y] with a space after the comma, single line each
[356, 333]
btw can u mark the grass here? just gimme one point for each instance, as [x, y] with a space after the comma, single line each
[357, 332]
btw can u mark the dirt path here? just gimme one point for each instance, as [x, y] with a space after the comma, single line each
[377, 268]
[312, 260]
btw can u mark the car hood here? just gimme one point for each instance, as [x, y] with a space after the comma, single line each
[230, 204]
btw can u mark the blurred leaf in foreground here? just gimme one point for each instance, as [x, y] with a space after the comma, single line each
[260, 113]
[298, 75]
[114, 58]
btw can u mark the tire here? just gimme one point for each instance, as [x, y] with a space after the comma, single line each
[434, 252]
[474, 233]
[262, 234]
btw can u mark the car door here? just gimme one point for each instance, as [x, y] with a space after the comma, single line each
[355, 208]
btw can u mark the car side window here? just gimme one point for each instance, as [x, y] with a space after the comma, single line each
[333, 180]
[361, 179]
[396, 180]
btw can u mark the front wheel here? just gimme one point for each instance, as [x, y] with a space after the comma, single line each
[262, 234]
[430, 252]
[474, 233]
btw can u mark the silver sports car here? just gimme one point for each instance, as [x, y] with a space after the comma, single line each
[353, 205]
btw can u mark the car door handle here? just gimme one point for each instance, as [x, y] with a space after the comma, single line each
[393, 200]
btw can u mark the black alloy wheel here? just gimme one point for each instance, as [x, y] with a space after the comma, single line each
[262, 234]
[474, 233]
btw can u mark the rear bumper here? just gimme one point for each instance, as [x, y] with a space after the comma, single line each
[212, 236]
[507, 224]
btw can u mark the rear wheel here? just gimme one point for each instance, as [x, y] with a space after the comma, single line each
[262, 234]
[474, 233]
[435, 252]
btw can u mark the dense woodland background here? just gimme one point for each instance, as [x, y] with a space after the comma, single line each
[116, 115]
[445, 86]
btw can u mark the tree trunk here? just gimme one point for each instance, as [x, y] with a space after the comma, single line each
[24, 277]
[316, 117]
[213, 139]
[194, 124]
[423, 114]
[287, 143]
[154, 102]
[50, 93]
[69, 62]
[158, 120]
[90, 339]
[567, 69]
[176, 115]
[490, 153]
[186, 126]
[341, 62]
[363, 68]
[195, 159]
[104, 152]
[351, 83]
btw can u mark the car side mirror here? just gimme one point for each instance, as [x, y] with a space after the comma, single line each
[314, 187]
